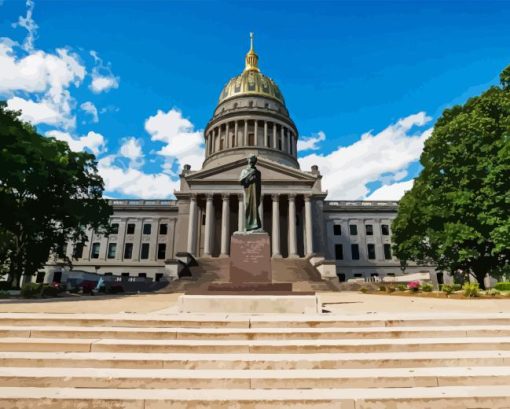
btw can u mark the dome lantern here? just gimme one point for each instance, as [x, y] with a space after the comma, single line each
[252, 59]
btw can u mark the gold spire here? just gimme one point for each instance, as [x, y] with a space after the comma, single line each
[252, 59]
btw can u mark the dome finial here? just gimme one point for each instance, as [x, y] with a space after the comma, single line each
[252, 59]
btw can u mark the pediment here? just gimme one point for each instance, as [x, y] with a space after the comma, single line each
[270, 172]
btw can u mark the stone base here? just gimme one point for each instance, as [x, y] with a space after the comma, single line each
[255, 304]
[250, 287]
[250, 258]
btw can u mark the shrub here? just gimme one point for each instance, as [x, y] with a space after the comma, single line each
[364, 290]
[446, 288]
[4, 294]
[4, 286]
[31, 290]
[426, 287]
[457, 287]
[413, 285]
[49, 290]
[382, 288]
[493, 292]
[503, 286]
[471, 290]
[401, 287]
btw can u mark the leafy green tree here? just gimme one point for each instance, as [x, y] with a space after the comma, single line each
[457, 215]
[49, 195]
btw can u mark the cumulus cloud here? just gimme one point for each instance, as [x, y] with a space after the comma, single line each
[311, 142]
[93, 141]
[29, 24]
[383, 157]
[183, 144]
[132, 150]
[90, 109]
[102, 77]
[394, 191]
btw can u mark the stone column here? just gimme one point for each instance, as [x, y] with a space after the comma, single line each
[261, 211]
[209, 217]
[245, 136]
[289, 136]
[282, 136]
[275, 234]
[266, 142]
[292, 226]
[308, 225]
[240, 217]
[275, 138]
[236, 142]
[225, 224]
[227, 136]
[192, 225]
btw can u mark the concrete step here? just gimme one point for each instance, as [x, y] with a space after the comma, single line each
[255, 346]
[486, 397]
[255, 361]
[72, 332]
[247, 321]
[253, 379]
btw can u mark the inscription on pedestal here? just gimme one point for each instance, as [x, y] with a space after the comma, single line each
[250, 258]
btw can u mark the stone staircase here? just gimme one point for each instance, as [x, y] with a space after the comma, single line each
[241, 361]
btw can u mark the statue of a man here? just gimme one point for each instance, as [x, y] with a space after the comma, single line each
[250, 180]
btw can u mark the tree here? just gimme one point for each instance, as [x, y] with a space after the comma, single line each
[49, 195]
[457, 215]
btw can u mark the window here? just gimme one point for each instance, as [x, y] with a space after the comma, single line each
[159, 276]
[385, 230]
[40, 277]
[145, 251]
[337, 230]
[128, 250]
[251, 139]
[108, 274]
[358, 275]
[78, 250]
[353, 229]
[115, 228]
[369, 229]
[354, 251]
[371, 251]
[339, 252]
[112, 249]
[221, 144]
[142, 275]
[147, 228]
[163, 229]
[280, 144]
[131, 228]
[95, 250]
[161, 251]
[125, 275]
[387, 251]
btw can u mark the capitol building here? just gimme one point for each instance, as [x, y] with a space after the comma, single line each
[344, 239]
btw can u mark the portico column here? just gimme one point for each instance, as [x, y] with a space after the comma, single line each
[282, 132]
[192, 224]
[209, 216]
[227, 136]
[236, 142]
[308, 225]
[266, 142]
[225, 224]
[240, 218]
[245, 136]
[275, 137]
[292, 226]
[275, 234]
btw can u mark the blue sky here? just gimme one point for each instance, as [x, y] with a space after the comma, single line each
[364, 81]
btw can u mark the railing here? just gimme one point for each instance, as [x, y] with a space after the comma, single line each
[364, 203]
[140, 202]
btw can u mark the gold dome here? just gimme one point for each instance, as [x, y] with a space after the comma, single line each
[251, 81]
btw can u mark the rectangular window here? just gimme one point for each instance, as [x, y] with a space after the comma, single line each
[385, 230]
[354, 251]
[161, 251]
[159, 276]
[128, 251]
[337, 230]
[369, 229]
[387, 251]
[339, 252]
[371, 251]
[353, 229]
[142, 275]
[163, 229]
[124, 275]
[145, 251]
[147, 228]
[78, 250]
[131, 228]
[112, 249]
[251, 139]
[115, 228]
[95, 250]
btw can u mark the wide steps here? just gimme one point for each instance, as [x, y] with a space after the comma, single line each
[254, 361]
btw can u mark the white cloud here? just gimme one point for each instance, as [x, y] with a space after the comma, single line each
[183, 144]
[28, 24]
[35, 112]
[132, 150]
[93, 141]
[90, 109]
[384, 156]
[102, 77]
[395, 191]
[311, 142]
[133, 182]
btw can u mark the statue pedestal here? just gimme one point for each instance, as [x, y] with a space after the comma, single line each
[250, 258]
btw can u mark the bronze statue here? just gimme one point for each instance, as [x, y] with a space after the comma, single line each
[250, 180]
